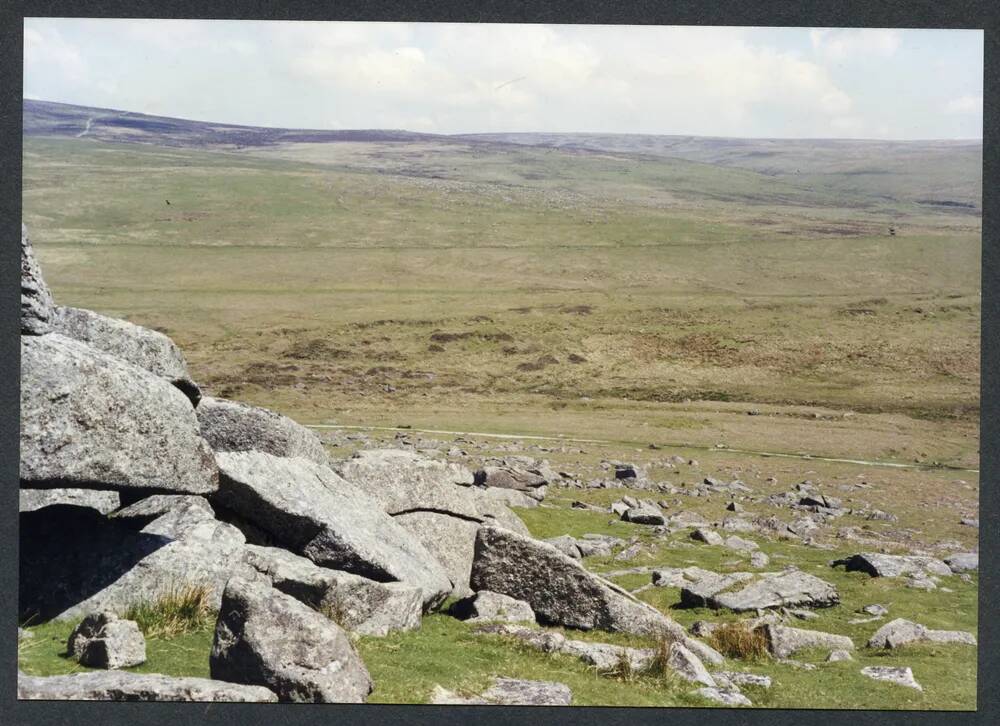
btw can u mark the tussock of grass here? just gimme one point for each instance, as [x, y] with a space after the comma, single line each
[622, 669]
[736, 640]
[184, 609]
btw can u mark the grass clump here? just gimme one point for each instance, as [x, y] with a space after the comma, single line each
[623, 670]
[736, 640]
[183, 609]
[659, 666]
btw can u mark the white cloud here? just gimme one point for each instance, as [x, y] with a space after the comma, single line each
[847, 44]
[451, 78]
[965, 104]
[46, 51]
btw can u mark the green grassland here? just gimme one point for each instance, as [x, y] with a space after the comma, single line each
[406, 666]
[620, 298]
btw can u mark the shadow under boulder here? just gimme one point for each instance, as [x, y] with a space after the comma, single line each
[74, 561]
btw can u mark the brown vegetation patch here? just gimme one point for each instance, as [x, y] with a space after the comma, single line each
[443, 337]
[736, 640]
[857, 312]
[314, 349]
[538, 364]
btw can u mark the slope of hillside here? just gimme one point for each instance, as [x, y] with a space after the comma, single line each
[44, 118]
[932, 173]
[932, 176]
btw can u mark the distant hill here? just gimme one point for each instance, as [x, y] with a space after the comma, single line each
[45, 118]
[932, 174]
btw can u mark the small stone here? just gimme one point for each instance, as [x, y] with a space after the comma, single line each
[838, 655]
[510, 692]
[963, 562]
[892, 674]
[735, 679]
[565, 544]
[688, 666]
[707, 536]
[102, 640]
[487, 606]
[740, 545]
[729, 698]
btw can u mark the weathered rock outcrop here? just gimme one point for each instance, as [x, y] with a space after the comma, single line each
[124, 686]
[311, 511]
[231, 426]
[521, 473]
[963, 562]
[899, 632]
[355, 603]
[91, 421]
[37, 309]
[558, 588]
[901, 676]
[881, 565]
[496, 511]
[403, 481]
[507, 497]
[510, 692]
[450, 539]
[103, 502]
[264, 637]
[142, 347]
[783, 641]
[605, 656]
[74, 561]
[171, 515]
[759, 591]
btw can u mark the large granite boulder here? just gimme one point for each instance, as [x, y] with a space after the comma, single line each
[91, 421]
[497, 512]
[517, 472]
[231, 426]
[877, 564]
[900, 632]
[311, 511]
[125, 686]
[742, 591]
[171, 515]
[266, 638]
[558, 588]
[450, 539]
[783, 641]
[37, 309]
[403, 481]
[355, 603]
[74, 561]
[506, 497]
[142, 347]
[104, 502]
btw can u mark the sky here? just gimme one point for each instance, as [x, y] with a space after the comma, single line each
[467, 78]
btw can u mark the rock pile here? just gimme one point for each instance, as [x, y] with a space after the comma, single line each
[135, 486]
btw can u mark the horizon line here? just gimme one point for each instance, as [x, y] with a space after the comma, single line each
[978, 139]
